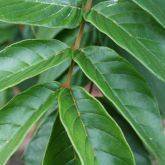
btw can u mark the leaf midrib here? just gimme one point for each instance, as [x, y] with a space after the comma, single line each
[130, 35]
[118, 107]
[148, 11]
[79, 116]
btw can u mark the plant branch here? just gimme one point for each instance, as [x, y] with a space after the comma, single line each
[88, 5]
[76, 46]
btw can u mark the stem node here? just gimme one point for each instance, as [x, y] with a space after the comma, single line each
[76, 46]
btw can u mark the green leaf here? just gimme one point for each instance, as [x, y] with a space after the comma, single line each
[53, 73]
[5, 25]
[37, 147]
[47, 33]
[3, 98]
[155, 8]
[94, 134]
[140, 153]
[69, 36]
[128, 92]
[7, 34]
[29, 58]
[45, 13]
[134, 30]
[78, 77]
[18, 116]
[156, 85]
[60, 150]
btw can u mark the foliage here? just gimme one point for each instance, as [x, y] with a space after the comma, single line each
[52, 49]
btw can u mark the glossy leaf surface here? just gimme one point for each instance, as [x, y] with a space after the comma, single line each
[94, 134]
[134, 30]
[45, 13]
[18, 116]
[29, 58]
[128, 92]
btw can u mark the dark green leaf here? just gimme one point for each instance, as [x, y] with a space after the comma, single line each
[78, 77]
[155, 8]
[94, 134]
[28, 58]
[2, 98]
[69, 36]
[5, 25]
[7, 34]
[129, 93]
[54, 73]
[157, 86]
[139, 151]
[37, 147]
[60, 150]
[47, 33]
[18, 116]
[134, 30]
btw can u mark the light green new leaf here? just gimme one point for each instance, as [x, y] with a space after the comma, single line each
[45, 13]
[155, 8]
[60, 150]
[95, 136]
[18, 116]
[29, 58]
[134, 30]
[37, 147]
[129, 93]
